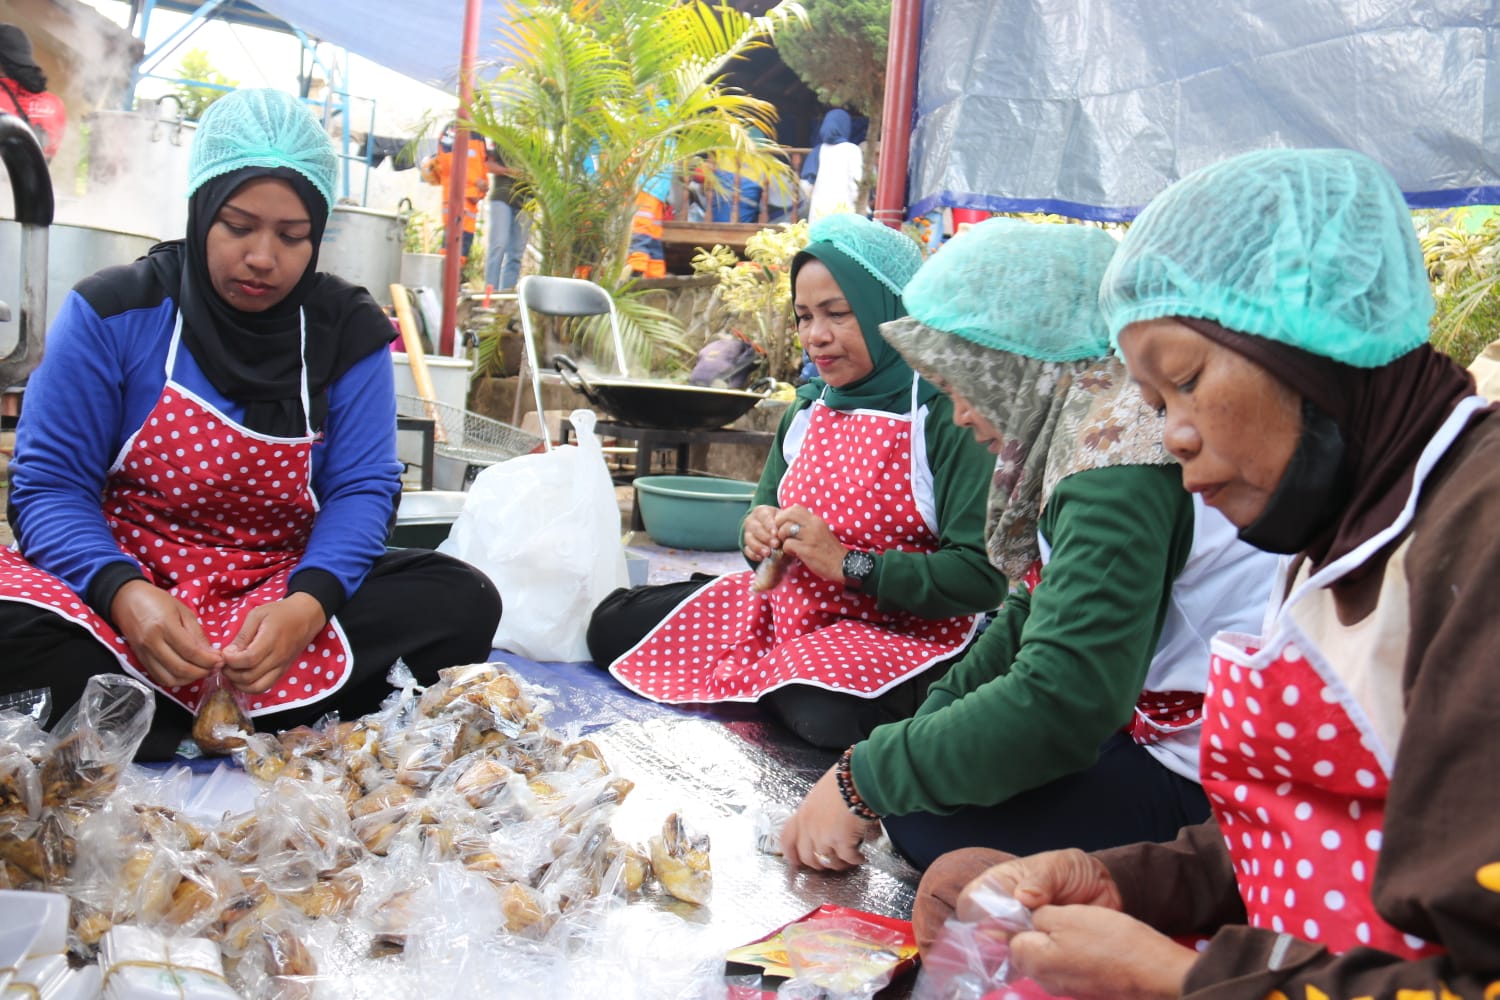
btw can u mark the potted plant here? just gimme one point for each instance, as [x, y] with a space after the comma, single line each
[755, 294]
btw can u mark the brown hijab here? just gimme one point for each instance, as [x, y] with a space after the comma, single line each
[1386, 415]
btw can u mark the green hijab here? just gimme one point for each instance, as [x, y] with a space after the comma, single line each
[888, 386]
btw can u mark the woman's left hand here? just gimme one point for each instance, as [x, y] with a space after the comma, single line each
[823, 833]
[1095, 953]
[807, 536]
[272, 636]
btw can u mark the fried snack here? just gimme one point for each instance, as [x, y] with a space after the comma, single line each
[329, 895]
[387, 796]
[304, 741]
[89, 925]
[265, 757]
[221, 725]
[377, 830]
[20, 785]
[191, 901]
[77, 773]
[770, 571]
[21, 850]
[483, 782]
[681, 863]
[635, 868]
[425, 752]
[391, 921]
[522, 906]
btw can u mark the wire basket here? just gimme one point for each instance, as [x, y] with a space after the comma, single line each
[466, 436]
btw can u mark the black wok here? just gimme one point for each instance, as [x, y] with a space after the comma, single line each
[663, 405]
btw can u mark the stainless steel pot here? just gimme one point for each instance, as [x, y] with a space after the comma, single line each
[32, 188]
[138, 169]
[364, 246]
[72, 254]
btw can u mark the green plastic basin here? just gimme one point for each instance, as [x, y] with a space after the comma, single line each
[693, 512]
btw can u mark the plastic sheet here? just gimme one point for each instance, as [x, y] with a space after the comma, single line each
[1090, 110]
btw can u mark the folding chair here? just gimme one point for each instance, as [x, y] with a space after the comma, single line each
[560, 297]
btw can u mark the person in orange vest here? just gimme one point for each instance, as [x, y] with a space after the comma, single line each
[23, 90]
[438, 168]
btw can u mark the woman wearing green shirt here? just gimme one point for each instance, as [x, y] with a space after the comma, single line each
[876, 500]
[1074, 719]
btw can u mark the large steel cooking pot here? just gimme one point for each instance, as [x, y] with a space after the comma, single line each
[363, 246]
[138, 169]
[73, 253]
[32, 190]
[664, 405]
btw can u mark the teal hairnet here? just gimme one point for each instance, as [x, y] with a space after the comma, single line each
[888, 254]
[1024, 287]
[261, 128]
[1313, 248]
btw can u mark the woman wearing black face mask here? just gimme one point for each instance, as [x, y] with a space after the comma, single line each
[206, 472]
[1275, 307]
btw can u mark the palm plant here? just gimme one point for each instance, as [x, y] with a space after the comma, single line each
[1464, 265]
[594, 98]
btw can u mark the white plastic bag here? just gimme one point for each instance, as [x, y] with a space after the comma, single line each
[546, 529]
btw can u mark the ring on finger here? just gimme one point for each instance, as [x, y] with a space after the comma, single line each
[794, 530]
[823, 859]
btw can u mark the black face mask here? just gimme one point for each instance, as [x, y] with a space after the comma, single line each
[1312, 492]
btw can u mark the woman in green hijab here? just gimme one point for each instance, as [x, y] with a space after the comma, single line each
[873, 501]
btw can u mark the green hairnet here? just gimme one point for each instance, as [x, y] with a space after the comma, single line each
[1313, 248]
[261, 128]
[888, 254]
[1023, 287]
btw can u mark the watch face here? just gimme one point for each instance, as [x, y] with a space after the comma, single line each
[857, 566]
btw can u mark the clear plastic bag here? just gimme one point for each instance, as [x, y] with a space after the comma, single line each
[971, 961]
[546, 529]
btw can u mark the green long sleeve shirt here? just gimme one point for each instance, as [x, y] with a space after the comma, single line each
[957, 579]
[1060, 668]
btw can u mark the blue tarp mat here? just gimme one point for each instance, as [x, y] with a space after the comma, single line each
[1089, 108]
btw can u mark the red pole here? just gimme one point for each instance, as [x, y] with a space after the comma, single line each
[900, 98]
[453, 212]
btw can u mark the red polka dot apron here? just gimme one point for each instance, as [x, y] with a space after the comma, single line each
[855, 470]
[1295, 772]
[217, 515]
[1298, 794]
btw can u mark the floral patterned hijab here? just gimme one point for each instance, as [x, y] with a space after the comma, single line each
[1056, 418]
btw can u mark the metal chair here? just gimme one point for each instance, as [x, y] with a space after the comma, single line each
[560, 297]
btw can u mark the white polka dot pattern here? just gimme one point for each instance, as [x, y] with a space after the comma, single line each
[218, 517]
[728, 643]
[1305, 835]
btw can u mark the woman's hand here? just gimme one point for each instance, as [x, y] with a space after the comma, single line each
[807, 536]
[1052, 878]
[270, 639]
[760, 532]
[1095, 953]
[164, 634]
[823, 833]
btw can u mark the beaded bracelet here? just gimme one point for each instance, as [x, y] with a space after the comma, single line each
[845, 779]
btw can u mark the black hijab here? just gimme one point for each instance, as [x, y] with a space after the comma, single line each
[256, 358]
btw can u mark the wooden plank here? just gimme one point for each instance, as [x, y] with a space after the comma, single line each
[416, 357]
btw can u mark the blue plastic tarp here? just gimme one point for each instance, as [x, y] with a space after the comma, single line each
[1089, 108]
[421, 40]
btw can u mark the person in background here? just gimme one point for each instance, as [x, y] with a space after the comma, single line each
[1352, 851]
[648, 255]
[438, 169]
[839, 168]
[872, 500]
[741, 197]
[23, 90]
[507, 228]
[205, 473]
[1075, 718]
